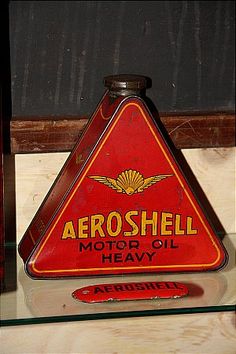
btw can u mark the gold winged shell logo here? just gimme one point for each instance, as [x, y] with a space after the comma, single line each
[129, 181]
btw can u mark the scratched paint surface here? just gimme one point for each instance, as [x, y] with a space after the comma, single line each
[61, 50]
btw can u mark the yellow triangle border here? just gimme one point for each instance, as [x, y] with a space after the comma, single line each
[113, 124]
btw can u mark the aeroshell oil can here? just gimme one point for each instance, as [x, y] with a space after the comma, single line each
[121, 203]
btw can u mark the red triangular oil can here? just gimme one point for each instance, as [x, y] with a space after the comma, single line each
[121, 203]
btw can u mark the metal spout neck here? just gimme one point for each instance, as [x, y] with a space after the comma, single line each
[126, 85]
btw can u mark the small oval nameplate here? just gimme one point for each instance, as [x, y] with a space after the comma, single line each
[130, 291]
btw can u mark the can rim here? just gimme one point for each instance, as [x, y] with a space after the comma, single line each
[127, 81]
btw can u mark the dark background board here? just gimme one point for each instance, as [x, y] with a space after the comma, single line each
[61, 50]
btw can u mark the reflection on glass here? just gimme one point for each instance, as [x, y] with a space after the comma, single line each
[49, 298]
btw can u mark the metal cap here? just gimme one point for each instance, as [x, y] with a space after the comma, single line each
[125, 83]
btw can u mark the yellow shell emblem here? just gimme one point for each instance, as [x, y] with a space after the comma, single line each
[129, 181]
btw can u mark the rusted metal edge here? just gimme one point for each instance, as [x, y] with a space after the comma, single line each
[59, 134]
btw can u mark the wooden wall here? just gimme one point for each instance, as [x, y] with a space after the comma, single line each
[214, 169]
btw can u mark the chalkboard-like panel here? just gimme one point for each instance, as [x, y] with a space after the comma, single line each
[61, 50]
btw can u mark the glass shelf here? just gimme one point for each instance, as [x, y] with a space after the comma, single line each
[48, 301]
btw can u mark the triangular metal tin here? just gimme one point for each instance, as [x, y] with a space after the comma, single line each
[127, 209]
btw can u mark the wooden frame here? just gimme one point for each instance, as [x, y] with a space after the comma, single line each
[55, 134]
